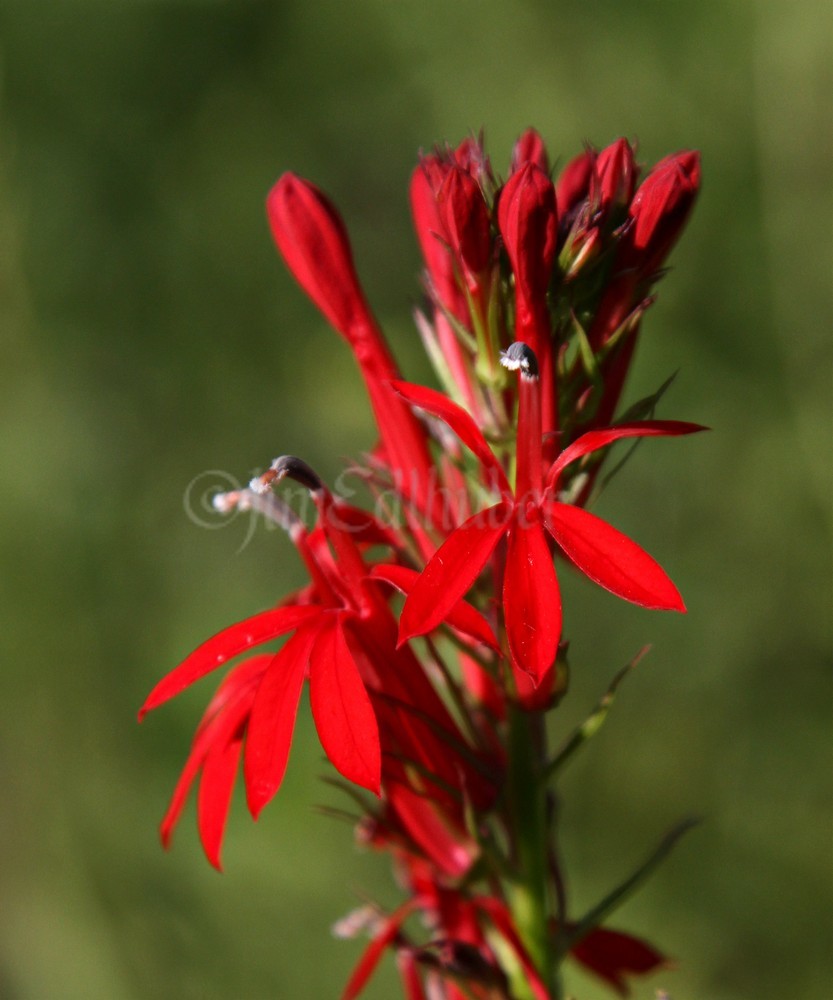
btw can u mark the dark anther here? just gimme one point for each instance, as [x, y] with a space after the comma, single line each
[520, 357]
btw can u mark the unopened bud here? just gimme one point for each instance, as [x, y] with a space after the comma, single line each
[530, 148]
[313, 240]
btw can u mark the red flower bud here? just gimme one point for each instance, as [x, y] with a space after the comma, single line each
[614, 176]
[471, 157]
[574, 182]
[426, 182]
[530, 148]
[659, 211]
[466, 220]
[313, 241]
[528, 224]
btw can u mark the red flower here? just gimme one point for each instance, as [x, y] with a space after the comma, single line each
[318, 649]
[531, 599]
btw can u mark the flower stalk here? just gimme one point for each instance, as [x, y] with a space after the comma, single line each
[432, 644]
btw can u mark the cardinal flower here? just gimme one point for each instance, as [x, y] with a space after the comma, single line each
[524, 517]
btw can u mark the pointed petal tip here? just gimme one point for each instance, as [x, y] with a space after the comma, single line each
[255, 809]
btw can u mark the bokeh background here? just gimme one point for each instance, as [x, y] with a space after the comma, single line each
[151, 335]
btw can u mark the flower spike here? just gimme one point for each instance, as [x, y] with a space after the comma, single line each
[534, 296]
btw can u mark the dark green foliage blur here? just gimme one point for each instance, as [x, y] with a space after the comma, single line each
[150, 334]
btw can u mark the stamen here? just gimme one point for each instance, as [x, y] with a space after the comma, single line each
[286, 465]
[267, 505]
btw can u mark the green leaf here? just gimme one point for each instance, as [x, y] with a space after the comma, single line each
[593, 723]
[599, 913]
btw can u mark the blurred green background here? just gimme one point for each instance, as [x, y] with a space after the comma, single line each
[150, 334]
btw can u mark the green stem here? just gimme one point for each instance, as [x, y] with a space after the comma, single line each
[528, 897]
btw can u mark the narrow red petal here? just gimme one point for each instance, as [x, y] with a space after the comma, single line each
[459, 421]
[409, 974]
[448, 848]
[374, 951]
[214, 796]
[452, 570]
[531, 599]
[594, 440]
[183, 786]
[343, 714]
[222, 647]
[272, 719]
[463, 616]
[611, 559]
[224, 714]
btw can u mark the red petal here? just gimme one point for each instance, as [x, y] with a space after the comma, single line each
[594, 440]
[409, 974]
[214, 797]
[222, 647]
[462, 617]
[183, 786]
[448, 848]
[361, 524]
[224, 714]
[611, 955]
[531, 601]
[344, 717]
[452, 570]
[459, 421]
[374, 951]
[611, 559]
[272, 719]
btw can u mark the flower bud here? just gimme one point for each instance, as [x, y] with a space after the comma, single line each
[313, 241]
[471, 157]
[574, 184]
[466, 219]
[426, 183]
[528, 224]
[530, 148]
[659, 211]
[614, 177]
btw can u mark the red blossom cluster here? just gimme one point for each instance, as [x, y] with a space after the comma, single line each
[433, 709]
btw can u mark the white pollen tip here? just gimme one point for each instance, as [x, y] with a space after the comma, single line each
[258, 486]
[513, 364]
[224, 502]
